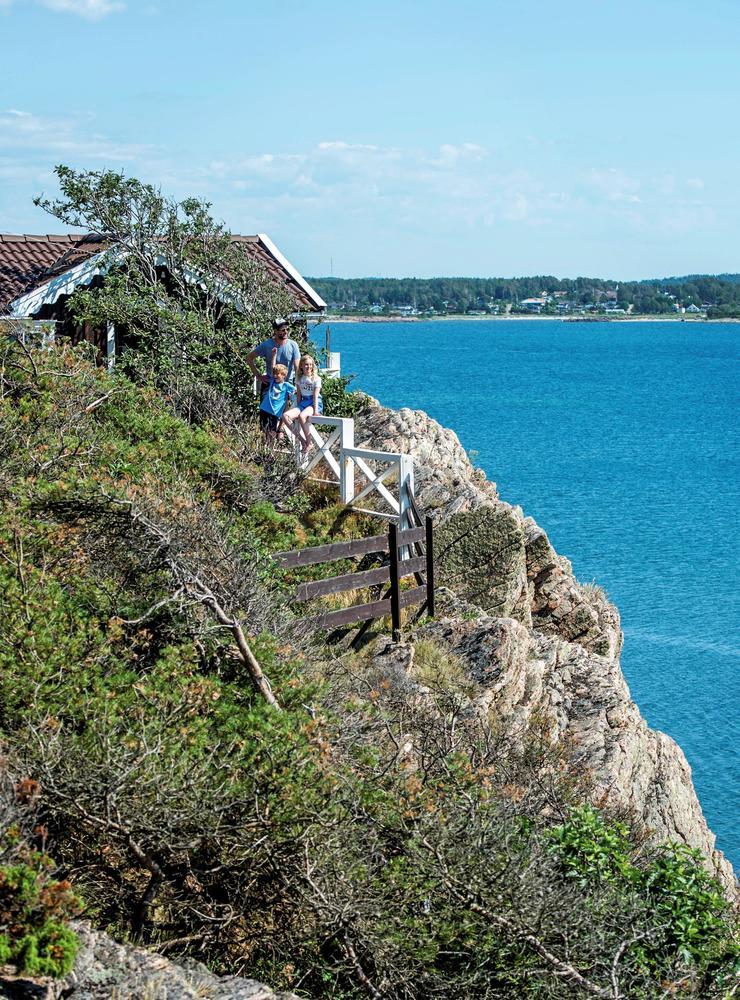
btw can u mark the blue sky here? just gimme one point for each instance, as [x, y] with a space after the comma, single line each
[397, 138]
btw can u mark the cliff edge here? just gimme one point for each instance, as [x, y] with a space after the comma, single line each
[535, 641]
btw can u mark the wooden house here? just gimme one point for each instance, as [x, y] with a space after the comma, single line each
[39, 273]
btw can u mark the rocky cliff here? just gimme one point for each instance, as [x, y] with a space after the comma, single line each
[536, 641]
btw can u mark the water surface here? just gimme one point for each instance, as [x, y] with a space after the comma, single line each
[620, 439]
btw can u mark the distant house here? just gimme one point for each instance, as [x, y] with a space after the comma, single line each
[534, 304]
[39, 273]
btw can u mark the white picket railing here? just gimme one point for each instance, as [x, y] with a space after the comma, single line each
[348, 464]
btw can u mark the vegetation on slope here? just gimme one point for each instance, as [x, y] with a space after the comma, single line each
[34, 906]
[374, 837]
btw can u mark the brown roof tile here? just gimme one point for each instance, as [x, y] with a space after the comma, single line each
[25, 260]
[28, 260]
[261, 254]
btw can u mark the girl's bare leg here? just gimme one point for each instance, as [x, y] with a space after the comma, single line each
[305, 422]
[287, 421]
[291, 423]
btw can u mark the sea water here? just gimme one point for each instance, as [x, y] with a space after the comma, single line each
[620, 439]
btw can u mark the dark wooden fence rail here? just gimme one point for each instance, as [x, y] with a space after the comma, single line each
[421, 566]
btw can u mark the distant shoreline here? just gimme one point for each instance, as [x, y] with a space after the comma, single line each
[550, 319]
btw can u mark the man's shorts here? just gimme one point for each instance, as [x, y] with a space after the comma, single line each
[268, 421]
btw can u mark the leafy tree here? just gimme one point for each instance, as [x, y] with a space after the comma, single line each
[189, 297]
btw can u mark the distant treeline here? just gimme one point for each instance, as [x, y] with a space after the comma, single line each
[719, 295]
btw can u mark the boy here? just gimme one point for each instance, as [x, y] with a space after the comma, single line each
[274, 401]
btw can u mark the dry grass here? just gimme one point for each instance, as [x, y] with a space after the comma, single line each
[439, 669]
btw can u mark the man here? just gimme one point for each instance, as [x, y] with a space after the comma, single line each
[279, 350]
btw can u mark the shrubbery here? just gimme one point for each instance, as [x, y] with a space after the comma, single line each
[368, 839]
[339, 401]
[34, 907]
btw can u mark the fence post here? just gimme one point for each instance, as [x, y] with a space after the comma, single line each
[430, 566]
[346, 463]
[405, 488]
[395, 586]
[110, 346]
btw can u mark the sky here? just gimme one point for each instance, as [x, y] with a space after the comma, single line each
[405, 138]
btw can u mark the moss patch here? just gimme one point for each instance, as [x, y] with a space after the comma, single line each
[481, 556]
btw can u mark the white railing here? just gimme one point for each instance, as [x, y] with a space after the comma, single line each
[348, 464]
[339, 440]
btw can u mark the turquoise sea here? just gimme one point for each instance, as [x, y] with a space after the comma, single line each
[620, 439]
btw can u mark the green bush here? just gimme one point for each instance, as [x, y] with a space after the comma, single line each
[370, 832]
[35, 946]
[690, 921]
[593, 850]
[34, 907]
[339, 401]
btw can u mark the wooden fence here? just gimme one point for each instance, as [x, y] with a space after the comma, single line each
[416, 558]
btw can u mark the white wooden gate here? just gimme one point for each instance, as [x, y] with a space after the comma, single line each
[361, 472]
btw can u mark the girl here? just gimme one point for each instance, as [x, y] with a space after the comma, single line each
[308, 403]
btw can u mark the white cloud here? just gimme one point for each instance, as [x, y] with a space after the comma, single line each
[452, 188]
[375, 204]
[46, 139]
[92, 10]
[615, 184]
[518, 209]
[346, 147]
[454, 154]
[665, 184]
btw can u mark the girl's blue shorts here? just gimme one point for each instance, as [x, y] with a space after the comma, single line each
[308, 401]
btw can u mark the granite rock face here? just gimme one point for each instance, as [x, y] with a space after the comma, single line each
[522, 673]
[560, 605]
[492, 554]
[536, 641]
[445, 477]
[105, 969]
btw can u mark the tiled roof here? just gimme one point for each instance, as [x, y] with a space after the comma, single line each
[259, 252]
[27, 261]
[24, 261]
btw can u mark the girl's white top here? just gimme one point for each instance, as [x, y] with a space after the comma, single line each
[307, 385]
